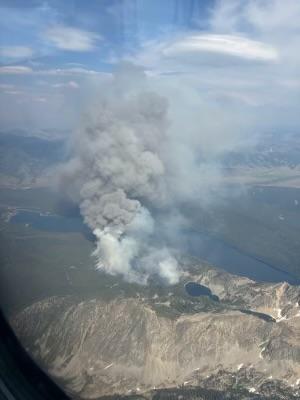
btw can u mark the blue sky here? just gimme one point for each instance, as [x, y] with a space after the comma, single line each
[101, 29]
[238, 53]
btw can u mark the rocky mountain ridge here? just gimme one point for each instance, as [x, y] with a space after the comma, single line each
[146, 344]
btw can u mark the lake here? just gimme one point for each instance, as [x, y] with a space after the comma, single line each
[49, 222]
[195, 289]
[197, 244]
[224, 256]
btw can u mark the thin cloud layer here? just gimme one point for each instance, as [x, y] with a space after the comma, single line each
[69, 84]
[236, 46]
[24, 70]
[15, 70]
[15, 52]
[72, 39]
[231, 52]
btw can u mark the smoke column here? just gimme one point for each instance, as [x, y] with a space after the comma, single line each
[116, 169]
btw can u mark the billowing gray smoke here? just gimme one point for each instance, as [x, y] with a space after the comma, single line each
[116, 168]
[138, 151]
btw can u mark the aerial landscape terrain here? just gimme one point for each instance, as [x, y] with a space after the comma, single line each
[150, 196]
[99, 334]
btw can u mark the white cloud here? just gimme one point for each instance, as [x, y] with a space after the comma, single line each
[200, 50]
[14, 92]
[72, 39]
[271, 15]
[248, 57]
[15, 52]
[230, 16]
[73, 84]
[68, 71]
[226, 16]
[15, 70]
[40, 99]
[70, 84]
[22, 70]
[6, 86]
[237, 46]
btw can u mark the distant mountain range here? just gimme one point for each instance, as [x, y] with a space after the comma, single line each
[25, 160]
[26, 157]
[271, 151]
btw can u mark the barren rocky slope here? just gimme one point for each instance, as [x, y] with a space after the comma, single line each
[247, 339]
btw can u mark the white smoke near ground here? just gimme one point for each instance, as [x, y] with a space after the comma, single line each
[127, 252]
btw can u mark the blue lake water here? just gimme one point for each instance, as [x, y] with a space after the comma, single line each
[196, 244]
[195, 289]
[231, 259]
[50, 223]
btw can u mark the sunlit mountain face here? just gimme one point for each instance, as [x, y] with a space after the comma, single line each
[150, 194]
